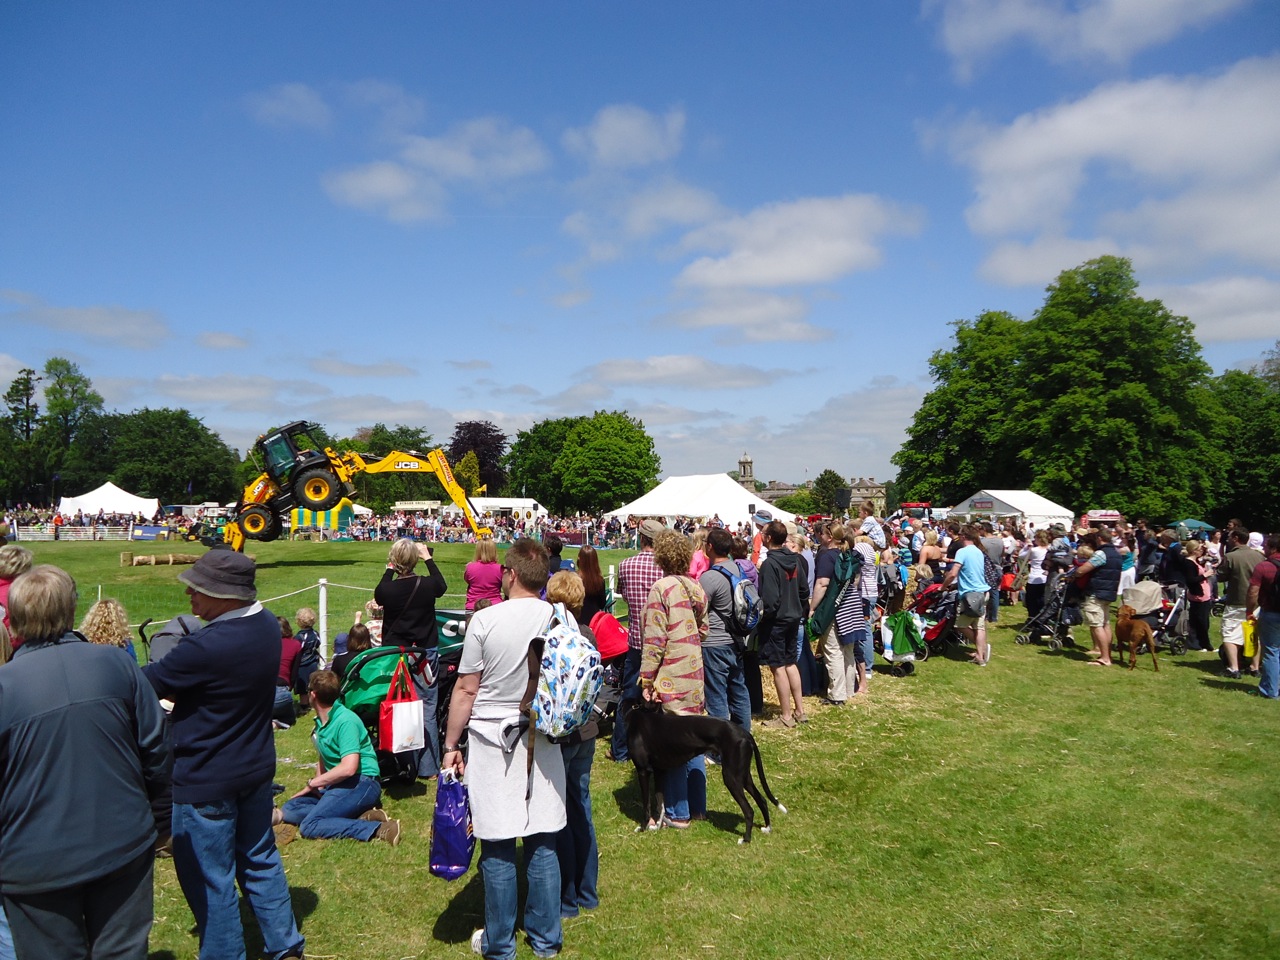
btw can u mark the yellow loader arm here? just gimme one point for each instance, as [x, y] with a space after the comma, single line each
[433, 462]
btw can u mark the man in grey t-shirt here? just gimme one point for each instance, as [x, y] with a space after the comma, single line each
[725, 685]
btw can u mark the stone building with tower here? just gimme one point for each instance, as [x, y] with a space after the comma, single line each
[860, 488]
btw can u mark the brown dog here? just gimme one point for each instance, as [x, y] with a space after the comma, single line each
[1134, 631]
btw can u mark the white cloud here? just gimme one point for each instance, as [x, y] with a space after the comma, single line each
[251, 393]
[219, 340]
[136, 329]
[483, 149]
[853, 433]
[1014, 263]
[333, 365]
[1180, 174]
[572, 298]
[814, 240]
[668, 203]
[290, 105]
[750, 316]
[1111, 30]
[9, 368]
[1227, 308]
[389, 189]
[575, 399]
[625, 135]
[692, 372]
[397, 109]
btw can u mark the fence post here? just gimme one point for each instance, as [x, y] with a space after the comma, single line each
[324, 619]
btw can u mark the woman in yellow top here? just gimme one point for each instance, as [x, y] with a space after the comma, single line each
[675, 622]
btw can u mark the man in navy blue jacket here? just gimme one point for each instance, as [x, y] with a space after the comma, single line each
[222, 681]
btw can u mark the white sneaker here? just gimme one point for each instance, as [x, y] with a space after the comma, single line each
[476, 938]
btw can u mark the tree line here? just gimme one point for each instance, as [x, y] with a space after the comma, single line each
[57, 439]
[1102, 399]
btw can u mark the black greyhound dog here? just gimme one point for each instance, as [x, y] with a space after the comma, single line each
[659, 741]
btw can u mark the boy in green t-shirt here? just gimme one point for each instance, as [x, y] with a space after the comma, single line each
[341, 800]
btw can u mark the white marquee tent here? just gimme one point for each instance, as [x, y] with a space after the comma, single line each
[110, 499]
[700, 495]
[1023, 504]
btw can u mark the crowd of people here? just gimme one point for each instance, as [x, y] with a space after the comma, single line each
[183, 755]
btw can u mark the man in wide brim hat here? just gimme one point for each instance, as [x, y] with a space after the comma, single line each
[222, 681]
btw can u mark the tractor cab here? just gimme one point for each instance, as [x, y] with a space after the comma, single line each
[282, 460]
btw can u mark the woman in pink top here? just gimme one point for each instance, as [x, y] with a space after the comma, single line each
[483, 575]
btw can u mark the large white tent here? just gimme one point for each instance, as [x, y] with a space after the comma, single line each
[1023, 504]
[110, 499]
[700, 495]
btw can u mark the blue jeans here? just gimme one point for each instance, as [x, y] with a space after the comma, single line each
[630, 691]
[6, 938]
[576, 843]
[1269, 637]
[685, 790]
[334, 814]
[501, 900]
[282, 707]
[218, 843]
[725, 685]
[429, 759]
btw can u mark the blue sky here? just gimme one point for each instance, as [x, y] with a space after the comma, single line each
[749, 224]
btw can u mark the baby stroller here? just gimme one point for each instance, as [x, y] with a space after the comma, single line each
[363, 690]
[1061, 612]
[936, 609]
[1165, 610]
[900, 642]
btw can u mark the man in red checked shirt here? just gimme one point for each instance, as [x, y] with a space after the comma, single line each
[636, 577]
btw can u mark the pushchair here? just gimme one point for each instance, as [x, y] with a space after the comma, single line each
[1165, 610]
[936, 609]
[363, 690]
[900, 642]
[1061, 612]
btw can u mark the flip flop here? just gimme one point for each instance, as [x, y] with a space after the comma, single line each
[1096, 663]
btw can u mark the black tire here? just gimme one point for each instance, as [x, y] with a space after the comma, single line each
[1178, 647]
[1022, 638]
[259, 523]
[1055, 643]
[317, 489]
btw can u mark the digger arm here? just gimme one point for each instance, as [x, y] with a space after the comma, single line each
[433, 462]
[233, 536]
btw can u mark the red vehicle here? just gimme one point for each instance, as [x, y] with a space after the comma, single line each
[916, 511]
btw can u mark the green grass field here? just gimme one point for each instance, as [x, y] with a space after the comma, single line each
[1034, 808]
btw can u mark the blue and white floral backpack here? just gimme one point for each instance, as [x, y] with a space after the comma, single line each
[570, 675]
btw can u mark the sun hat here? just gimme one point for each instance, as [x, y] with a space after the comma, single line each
[223, 575]
[761, 517]
[650, 528]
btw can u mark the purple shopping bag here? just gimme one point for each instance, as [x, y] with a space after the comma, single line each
[452, 842]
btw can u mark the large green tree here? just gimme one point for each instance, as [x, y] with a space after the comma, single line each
[143, 460]
[827, 489]
[530, 462]
[1101, 399]
[606, 460]
[69, 400]
[1249, 436]
[961, 438]
[19, 468]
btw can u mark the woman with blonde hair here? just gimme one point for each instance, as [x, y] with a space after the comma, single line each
[14, 561]
[107, 623]
[408, 601]
[675, 623]
[483, 575]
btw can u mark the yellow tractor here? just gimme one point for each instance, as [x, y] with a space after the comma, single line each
[315, 480]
